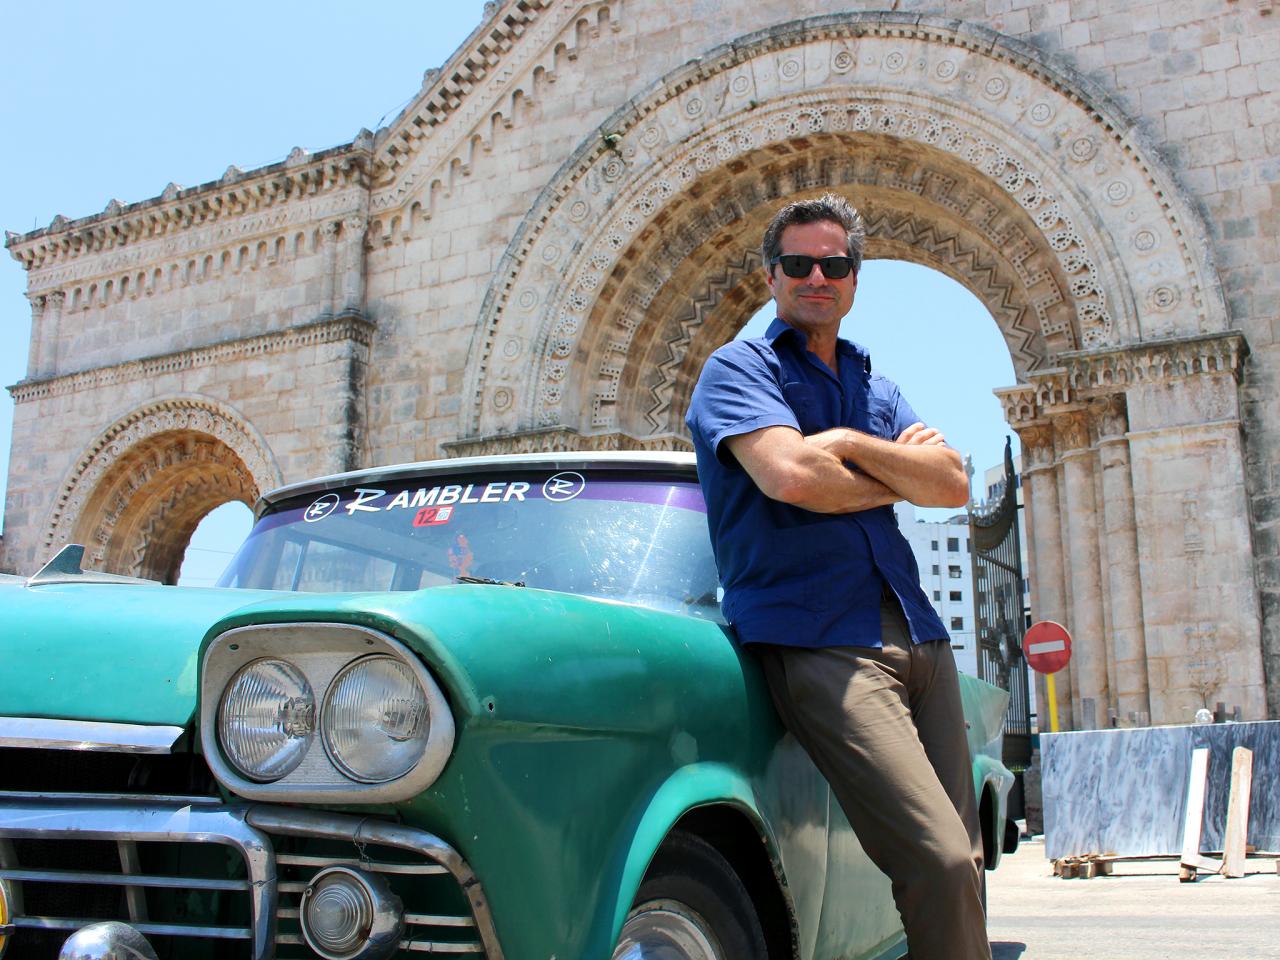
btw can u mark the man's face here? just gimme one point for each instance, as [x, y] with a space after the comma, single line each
[813, 303]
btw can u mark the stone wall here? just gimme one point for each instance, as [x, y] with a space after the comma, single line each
[543, 247]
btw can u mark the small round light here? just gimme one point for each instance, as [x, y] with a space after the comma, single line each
[375, 720]
[348, 914]
[266, 719]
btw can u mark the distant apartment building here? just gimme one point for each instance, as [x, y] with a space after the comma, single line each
[945, 559]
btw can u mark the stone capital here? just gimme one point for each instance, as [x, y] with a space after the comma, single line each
[329, 231]
[1071, 432]
[56, 298]
[1110, 416]
[1037, 446]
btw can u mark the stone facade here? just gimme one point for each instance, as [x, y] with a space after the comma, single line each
[541, 250]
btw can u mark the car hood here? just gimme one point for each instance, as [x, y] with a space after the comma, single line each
[123, 653]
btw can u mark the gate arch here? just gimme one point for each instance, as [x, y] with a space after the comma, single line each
[140, 488]
[1032, 188]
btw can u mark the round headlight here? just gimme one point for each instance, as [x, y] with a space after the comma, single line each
[266, 719]
[375, 720]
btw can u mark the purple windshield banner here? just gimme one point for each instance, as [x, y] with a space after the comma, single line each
[681, 495]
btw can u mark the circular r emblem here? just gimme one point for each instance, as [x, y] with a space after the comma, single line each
[564, 486]
[321, 508]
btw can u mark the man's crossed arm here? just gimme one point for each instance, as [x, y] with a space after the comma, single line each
[810, 472]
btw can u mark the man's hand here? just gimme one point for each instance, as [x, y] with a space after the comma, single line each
[919, 433]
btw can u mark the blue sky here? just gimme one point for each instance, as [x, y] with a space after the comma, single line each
[117, 100]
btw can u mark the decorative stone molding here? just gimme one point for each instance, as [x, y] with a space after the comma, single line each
[1157, 361]
[675, 346]
[192, 415]
[799, 83]
[558, 439]
[157, 499]
[506, 61]
[255, 199]
[1086, 375]
[342, 328]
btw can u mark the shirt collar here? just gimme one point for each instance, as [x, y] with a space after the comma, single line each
[846, 348]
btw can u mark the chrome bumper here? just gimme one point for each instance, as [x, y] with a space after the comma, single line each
[247, 830]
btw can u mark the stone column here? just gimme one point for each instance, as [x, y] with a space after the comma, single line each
[1127, 644]
[1044, 553]
[1089, 655]
[329, 239]
[353, 231]
[1200, 605]
[37, 334]
[51, 333]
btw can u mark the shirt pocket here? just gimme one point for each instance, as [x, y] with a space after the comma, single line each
[804, 402]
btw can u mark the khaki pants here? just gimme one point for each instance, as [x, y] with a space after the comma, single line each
[886, 728]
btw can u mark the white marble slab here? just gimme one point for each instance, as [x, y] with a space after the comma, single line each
[1125, 791]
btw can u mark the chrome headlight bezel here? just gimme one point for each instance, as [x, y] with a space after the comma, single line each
[320, 651]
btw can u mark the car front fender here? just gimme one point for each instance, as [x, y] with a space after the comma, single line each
[692, 786]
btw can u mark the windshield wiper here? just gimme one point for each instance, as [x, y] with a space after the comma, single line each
[496, 583]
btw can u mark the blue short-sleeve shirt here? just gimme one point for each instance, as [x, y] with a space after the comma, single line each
[792, 576]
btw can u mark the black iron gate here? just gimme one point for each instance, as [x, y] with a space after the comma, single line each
[1001, 621]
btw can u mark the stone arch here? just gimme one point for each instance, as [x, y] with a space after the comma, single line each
[136, 494]
[691, 285]
[1076, 234]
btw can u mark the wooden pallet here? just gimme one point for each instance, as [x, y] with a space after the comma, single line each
[1089, 865]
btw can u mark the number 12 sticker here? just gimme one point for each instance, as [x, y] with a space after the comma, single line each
[432, 516]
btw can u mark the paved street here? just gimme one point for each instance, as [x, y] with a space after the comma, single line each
[1142, 913]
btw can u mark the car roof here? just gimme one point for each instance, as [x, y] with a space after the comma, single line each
[639, 460]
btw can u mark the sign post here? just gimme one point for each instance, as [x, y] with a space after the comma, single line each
[1047, 647]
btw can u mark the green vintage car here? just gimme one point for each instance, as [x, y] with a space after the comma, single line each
[480, 707]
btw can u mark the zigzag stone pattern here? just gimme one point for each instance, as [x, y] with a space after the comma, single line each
[717, 287]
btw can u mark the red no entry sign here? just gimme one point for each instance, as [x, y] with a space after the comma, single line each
[1047, 646]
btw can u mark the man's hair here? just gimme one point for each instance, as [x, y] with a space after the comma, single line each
[829, 207]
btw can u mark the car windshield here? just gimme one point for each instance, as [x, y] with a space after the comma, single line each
[630, 537]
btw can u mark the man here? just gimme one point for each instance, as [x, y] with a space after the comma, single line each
[802, 450]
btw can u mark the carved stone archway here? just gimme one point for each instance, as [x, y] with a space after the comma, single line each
[137, 493]
[968, 154]
[1068, 192]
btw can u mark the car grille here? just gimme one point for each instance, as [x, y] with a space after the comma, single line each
[68, 771]
[204, 879]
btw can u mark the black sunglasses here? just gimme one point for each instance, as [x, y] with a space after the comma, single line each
[797, 266]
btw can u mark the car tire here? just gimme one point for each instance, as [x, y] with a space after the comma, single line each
[691, 905]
